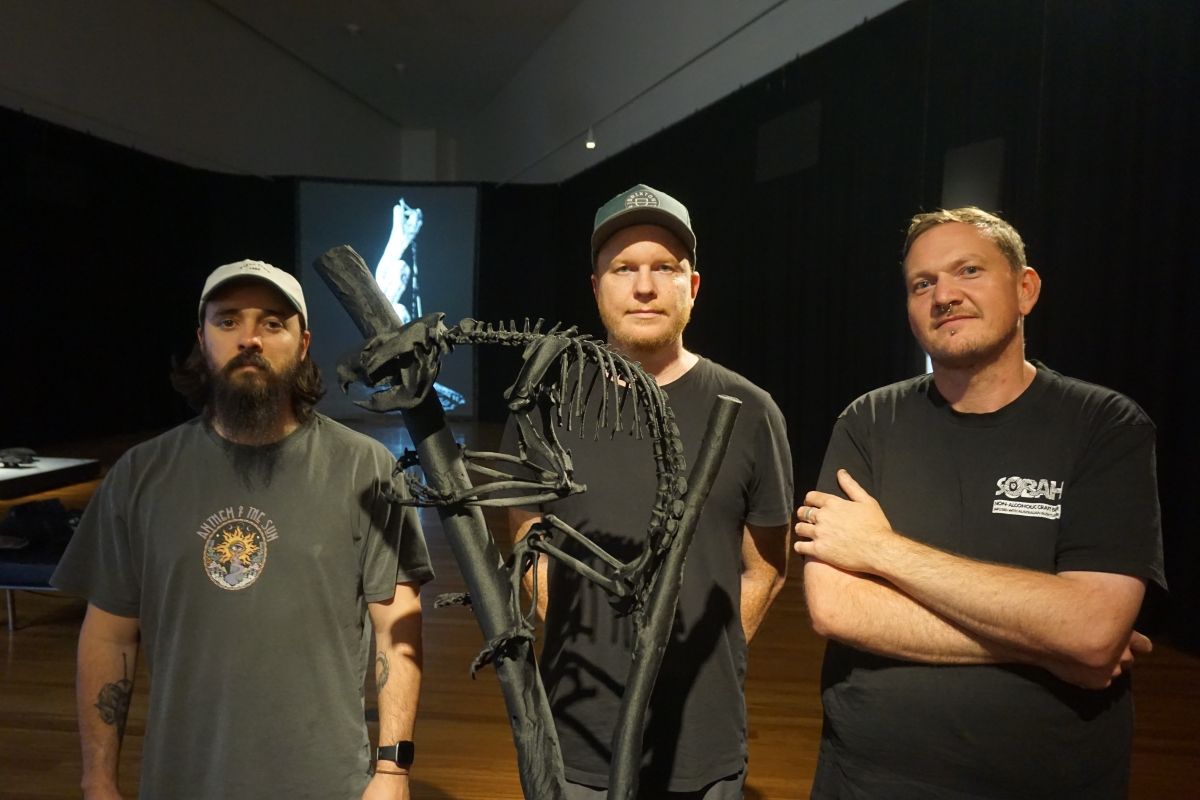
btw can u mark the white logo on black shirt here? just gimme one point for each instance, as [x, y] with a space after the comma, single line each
[1016, 487]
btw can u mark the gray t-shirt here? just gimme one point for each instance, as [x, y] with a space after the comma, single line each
[251, 598]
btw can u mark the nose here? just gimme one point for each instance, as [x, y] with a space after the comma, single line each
[945, 296]
[250, 340]
[643, 284]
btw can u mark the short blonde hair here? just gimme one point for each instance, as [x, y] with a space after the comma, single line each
[1001, 234]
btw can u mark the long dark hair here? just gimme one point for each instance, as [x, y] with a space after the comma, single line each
[193, 380]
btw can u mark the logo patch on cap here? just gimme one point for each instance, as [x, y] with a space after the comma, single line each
[641, 199]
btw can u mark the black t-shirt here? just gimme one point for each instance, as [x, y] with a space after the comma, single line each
[1061, 479]
[696, 726]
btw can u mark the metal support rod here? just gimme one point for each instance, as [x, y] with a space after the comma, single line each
[495, 606]
[654, 633]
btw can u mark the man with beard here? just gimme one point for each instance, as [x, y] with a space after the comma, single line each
[258, 662]
[977, 551]
[645, 283]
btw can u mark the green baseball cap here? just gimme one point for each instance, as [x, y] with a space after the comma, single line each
[643, 205]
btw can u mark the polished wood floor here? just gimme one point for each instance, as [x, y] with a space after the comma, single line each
[465, 751]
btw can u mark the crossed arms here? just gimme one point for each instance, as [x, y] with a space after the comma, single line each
[875, 589]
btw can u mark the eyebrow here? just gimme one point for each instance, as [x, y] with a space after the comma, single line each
[966, 258]
[270, 312]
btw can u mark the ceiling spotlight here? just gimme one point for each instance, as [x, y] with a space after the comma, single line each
[590, 144]
[352, 28]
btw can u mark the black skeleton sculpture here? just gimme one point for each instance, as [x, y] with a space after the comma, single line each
[560, 371]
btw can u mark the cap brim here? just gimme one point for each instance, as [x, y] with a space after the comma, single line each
[295, 304]
[644, 216]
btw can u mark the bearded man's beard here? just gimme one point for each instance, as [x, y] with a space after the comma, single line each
[248, 406]
[248, 409]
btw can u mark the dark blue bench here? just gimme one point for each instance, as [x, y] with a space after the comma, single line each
[29, 568]
[47, 526]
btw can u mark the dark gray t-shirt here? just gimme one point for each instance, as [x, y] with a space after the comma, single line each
[1061, 479]
[252, 603]
[696, 728]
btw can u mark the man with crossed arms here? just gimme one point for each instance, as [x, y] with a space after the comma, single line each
[977, 552]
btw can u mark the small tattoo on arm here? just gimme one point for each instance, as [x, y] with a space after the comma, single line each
[113, 700]
[382, 670]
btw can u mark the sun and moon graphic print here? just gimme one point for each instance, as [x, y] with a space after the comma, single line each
[235, 545]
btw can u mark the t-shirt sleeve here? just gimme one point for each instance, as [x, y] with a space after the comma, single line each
[848, 450]
[1110, 519]
[99, 563]
[395, 549]
[771, 497]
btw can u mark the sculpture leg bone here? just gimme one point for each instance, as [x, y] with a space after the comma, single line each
[538, 753]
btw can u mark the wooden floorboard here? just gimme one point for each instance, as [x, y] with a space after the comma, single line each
[465, 750]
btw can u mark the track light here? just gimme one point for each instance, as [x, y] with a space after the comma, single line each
[590, 144]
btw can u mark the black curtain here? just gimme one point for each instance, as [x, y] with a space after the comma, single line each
[1115, 210]
[1095, 106]
[106, 251]
[1094, 103]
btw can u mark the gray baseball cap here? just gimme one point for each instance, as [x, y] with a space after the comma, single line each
[288, 286]
[643, 205]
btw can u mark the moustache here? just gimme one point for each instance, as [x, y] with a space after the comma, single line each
[246, 358]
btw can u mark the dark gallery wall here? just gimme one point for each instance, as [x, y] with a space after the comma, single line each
[800, 186]
[1095, 106]
[521, 273]
[105, 250]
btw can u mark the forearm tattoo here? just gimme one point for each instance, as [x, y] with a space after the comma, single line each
[382, 670]
[113, 700]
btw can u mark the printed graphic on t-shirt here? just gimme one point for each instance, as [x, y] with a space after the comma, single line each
[1028, 489]
[235, 545]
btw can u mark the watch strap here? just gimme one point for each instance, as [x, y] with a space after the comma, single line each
[401, 753]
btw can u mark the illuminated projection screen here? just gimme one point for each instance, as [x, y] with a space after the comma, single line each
[419, 242]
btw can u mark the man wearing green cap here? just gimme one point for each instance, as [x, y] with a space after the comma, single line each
[645, 283]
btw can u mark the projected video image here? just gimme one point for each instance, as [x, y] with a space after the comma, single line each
[400, 283]
[395, 276]
[420, 244]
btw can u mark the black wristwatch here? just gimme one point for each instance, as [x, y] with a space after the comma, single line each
[400, 752]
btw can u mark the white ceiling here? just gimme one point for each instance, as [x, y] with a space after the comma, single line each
[453, 55]
[486, 90]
